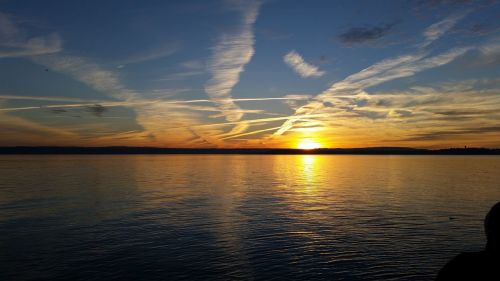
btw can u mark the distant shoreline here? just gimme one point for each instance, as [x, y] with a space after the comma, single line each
[262, 151]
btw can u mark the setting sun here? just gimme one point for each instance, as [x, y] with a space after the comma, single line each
[308, 144]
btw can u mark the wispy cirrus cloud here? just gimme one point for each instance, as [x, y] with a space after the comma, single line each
[438, 29]
[188, 69]
[181, 75]
[150, 115]
[151, 54]
[194, 64]
[81, 69]
[301, 67]
[14, 44]
[233, 51]
[365, 34]
[385, 70]
[24, 132]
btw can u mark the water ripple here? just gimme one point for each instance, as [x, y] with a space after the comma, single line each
[235, 217]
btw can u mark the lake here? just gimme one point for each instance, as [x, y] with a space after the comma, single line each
[240, 217]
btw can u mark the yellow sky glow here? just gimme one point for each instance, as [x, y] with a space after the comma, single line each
[308, 144]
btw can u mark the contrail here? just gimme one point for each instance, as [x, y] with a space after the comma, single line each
[61, 99]
[250, 133]
[123, 103]
[386, 70]
[230, 55]
[296, 117]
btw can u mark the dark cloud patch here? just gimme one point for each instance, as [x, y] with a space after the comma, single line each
[365, 34]
[384, 102]
[481, 29]
[323, 59]
[451, 133]
[96, 110]
[150, 137]
[454, 118]
[198, 137]
[464, 112]
[361, 102]
[58, 111]
[328, 104]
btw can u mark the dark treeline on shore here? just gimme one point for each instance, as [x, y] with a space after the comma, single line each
[157, 150]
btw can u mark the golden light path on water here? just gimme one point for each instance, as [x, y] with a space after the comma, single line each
[249, 217]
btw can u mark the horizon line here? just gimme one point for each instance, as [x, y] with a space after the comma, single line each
[171, 150]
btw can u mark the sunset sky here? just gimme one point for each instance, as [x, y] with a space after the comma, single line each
[276, 73]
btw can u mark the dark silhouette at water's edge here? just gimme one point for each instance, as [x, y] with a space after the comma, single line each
[158, 150]
[483, 265]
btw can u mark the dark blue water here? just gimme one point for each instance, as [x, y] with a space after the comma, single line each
[240, 217]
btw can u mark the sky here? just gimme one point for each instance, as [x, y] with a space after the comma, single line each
[234, 73]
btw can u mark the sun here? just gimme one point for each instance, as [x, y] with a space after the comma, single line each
[308, 144]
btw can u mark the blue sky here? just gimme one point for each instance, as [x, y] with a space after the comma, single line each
[274, 73]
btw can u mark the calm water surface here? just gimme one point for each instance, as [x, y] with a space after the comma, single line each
[247, 217]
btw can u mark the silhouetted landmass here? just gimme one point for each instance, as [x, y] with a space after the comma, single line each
[157, 150]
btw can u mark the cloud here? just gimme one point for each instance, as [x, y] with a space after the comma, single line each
[13, 44]
[58, 110]
[180, 75]
[150, 137]
[19, 131]
[189, 69]
[138, 102]
[365, 34]
[452, 112]
[100, 79]
[451, 133]
[425, 108]
[249, 133]
[304, 69]
[295, 101]
[151, 54]
[478, 29]
[230, 55]
[150, 115]
[41, 98]
[400, 113]
[438, 29]
[7, 28]
[383, 71]
[261, 120]
[96, 110]
[194, 64]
